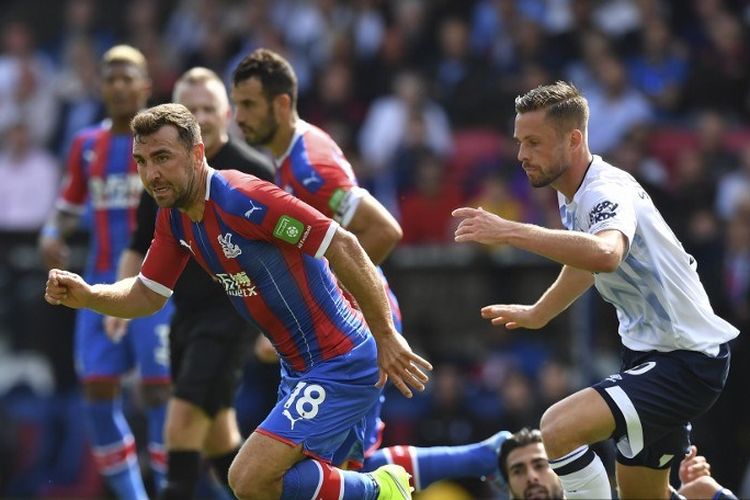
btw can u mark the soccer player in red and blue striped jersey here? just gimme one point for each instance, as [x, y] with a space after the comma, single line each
[103, 188]
[279, 260]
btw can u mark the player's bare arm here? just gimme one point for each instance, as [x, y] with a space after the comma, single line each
[55, 251]
[128, 298]
[375, 228]
[355, 270]
[570, 284]
[599, 253]
[129, 265]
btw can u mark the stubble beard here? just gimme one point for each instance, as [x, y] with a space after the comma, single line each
[265, 134]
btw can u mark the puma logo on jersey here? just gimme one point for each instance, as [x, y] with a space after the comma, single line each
[187, 245]
[256, 212]
[230, 249]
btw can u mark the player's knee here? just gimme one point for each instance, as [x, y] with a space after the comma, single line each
[246, 485]
[553, 436]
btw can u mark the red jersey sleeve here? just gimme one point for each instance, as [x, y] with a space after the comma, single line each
[75, 187]
[165, 258]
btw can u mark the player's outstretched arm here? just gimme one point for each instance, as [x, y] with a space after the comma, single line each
[128, 298]
[570, 284]
[600, 252]
[54, 250]
[357, 273]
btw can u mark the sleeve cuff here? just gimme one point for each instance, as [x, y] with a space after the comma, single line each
[327, 240]
[155, 286]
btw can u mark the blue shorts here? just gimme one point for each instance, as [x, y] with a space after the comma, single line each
[146, 345]
[325, 408]
[655, 396]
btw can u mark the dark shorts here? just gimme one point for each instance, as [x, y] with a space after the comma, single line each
[654, 398]
[208, 350]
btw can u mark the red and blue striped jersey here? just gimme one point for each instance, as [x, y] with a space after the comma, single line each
[266, 248]
[315, 170]
[102, 183]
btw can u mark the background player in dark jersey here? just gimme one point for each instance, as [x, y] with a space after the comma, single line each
[276, 258]
[208, 340]
[103, 188]
[313, 168]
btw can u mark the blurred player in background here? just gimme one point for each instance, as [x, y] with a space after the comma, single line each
[675, 348]
[313, 168]
[103, 185]
[208, 340]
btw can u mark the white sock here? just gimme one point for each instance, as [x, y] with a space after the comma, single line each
[582, 474]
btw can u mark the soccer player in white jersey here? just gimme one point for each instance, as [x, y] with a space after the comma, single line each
[675, 353]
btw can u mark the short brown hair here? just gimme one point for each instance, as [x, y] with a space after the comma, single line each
[125, 54]
[522, 438]
[150, 120]
[273, 71]
[563, 102]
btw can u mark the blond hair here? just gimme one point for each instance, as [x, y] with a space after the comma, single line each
[125, 54]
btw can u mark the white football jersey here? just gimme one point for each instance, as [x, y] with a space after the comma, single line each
[660, 301]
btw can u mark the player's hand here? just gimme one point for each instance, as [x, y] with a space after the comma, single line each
[67, 289]
[55, 253]
[481, 226]
[693, 466]
[265, 351]
[115, 328]
[513, 316]
[397, 362]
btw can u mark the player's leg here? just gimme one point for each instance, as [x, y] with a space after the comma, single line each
[568, 428]
[100, 362]
[207, 352]
[323, 413]
[222, 443]
[642, 482]
[185, 431]
[430, 464]
[148, 339]
[268, 469]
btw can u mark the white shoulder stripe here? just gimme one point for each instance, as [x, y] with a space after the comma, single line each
[155, 286]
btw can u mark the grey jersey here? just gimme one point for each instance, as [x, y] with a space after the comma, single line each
[660, 301]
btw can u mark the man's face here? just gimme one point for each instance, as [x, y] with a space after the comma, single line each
[125, 89]
[542, 150]
[208, 102]
[253, 113]
[167, 167]
[530, 476]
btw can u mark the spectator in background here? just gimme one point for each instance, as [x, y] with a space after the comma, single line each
[717, 158]
[336, 105]
[426, 209]
[718, 76]
[30, 180]
[77, 87]
[616, 107]
[26, 78]
[734, 186]
[659, 69]
[387, 123]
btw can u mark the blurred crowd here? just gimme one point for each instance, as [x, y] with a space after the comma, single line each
[419, 94]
